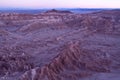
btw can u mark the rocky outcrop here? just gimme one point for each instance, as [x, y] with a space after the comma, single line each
[101, 22]
[36, 44]
[108, 25]
[36, 25]
[13, 60]
[71, 64]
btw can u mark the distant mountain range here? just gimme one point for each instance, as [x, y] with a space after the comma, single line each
[35, 11]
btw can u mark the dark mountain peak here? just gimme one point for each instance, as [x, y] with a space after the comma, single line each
[58, 11]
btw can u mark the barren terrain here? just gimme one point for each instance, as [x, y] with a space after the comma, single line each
[60, 45]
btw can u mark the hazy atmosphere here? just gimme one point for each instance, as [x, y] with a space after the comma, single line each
[59, 4]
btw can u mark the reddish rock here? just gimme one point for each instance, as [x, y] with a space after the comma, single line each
[71, 63]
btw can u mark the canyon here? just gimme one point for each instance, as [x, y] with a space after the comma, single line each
[60, 45]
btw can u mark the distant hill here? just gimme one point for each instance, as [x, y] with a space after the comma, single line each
[35, 11]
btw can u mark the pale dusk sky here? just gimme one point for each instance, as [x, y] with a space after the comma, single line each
[37, 4]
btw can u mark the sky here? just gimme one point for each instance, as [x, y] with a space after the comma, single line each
[37, 4]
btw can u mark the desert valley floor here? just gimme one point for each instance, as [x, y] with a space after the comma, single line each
[60, 45]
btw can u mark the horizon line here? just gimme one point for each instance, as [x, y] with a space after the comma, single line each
[55, 8]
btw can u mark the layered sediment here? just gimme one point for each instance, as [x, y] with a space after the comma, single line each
[71, 64]
[60, 45]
